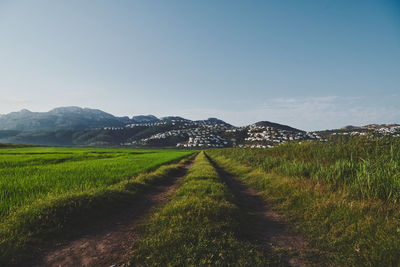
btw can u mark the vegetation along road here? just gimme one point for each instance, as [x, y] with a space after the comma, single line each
[298, 204]
[52, 195]
[109, 239]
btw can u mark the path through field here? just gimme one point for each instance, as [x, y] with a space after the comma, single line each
[267, 227]
[110, 240]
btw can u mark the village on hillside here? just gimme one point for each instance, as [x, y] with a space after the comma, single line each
[374, 129]
[210, 134]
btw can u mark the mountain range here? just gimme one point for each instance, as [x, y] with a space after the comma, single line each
[74, 118]
[85, 126]
[75, 126]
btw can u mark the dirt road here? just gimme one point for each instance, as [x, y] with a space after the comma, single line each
[109, 242]
[267, 226]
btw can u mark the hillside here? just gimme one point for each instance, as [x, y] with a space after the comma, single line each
[149, 131]
[90, 127]
[277, 126]
[370, 129]
[63, 118]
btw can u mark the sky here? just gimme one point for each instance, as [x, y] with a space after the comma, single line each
[313, 65]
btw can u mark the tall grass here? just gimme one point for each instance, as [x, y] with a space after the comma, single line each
[367, 168]
[348, 231]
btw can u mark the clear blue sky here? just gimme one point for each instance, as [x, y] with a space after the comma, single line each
[311, 64]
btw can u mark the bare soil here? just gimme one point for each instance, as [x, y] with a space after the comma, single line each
[267, 227]
[110, 240]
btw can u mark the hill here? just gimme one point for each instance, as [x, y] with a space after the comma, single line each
[90, 127]
[144, 119]
[93, 127]
[63, 118]
[277, 126]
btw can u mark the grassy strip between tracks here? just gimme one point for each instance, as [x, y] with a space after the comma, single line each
[38, 225]
[200, 226]
[352, 232]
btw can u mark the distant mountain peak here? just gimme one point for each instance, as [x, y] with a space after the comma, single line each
[61, 118]
[350, 127]
[171, 118]
[215, 120]
[277, 126]
[75, 109]
[67, 108]
[144, 119]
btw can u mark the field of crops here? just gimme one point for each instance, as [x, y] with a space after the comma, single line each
[28, 174]
[46, 192]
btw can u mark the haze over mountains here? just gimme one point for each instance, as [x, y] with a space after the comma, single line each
[93, 127]
[69, 118]
[85, 126]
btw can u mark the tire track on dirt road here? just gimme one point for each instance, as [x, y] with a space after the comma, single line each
[110, 240]
[268, 228]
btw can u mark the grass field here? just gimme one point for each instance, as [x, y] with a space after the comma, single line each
[200, 226]
[364, 167]
[343, 196]
[28, 174]
[42, 190]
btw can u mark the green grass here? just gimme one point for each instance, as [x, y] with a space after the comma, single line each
[12, 146]
[341, 196]
[200, 226]
[30, 174]
[365, 167]
[349, 228]
[66, 213]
